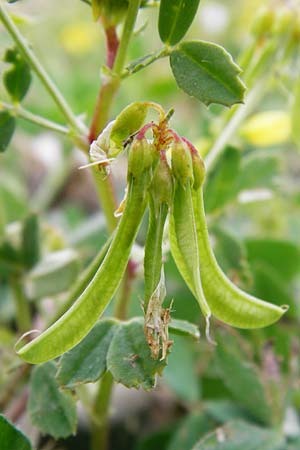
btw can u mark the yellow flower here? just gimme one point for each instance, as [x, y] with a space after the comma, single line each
[78, 38]
[267, 128]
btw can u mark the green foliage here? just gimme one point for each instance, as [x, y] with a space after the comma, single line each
[222, 184]
[129, 358]
[238, 434]
[7, 128]
[30, 241]
[53, 274]
[206, 71]
[237, 373]
[86, 362]
[11, 438]
[175, 18]
[50, 409]
[17, 79]
[221, 396]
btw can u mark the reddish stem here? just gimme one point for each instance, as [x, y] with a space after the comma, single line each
[107, 89]
[112, 45]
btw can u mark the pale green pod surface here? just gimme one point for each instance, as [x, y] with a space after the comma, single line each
[75, 324]
[153, 248]
[226, 301]
[161, 190]
[127, 122]
[184, 242]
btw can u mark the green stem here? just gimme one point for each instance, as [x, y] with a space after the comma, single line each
[23, 316]
[100, 427]
[19, 111]
[128, 27]
[101, 116]
[141, 63]
[41, 72]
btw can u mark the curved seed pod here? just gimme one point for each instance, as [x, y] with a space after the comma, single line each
[184, 242]
[226, 301]
[74, 325]
[153, 248]
[161, 191]
[156, 317]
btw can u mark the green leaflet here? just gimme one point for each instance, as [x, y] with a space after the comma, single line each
[51, 410]
[184, 243]
[129, 359]
[7, 128]
[74, 325]
[207, 71]
[237, 435]
[86, 362]
[12, 438]
[175, 18]
[30, 241]
[17, 78]
[226, 301]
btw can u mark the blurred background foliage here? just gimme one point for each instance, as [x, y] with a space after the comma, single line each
[253, 202]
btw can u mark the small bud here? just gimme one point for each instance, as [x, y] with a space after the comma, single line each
[198, 165]
[162, 182]
[182, 165]
[142, 155]
[263, 22]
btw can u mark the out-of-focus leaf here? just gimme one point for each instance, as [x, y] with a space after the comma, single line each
[17, 78]
[207, 71]
[224, 410]
[13, 198]
[283, 256]
[231, 255]
[180, 373]
[190, 430]
[129, 359]
[154, 441]
[10, 263]
[239, 435]
[11, 438]
[184, 328]
[51, 410]
[7, 128]
[269, 285]
[296, 115]
[258, 170]
[175, 18]
[53, 274]
[30, 241]
[86, 362]
[236, 373]
[221, 185]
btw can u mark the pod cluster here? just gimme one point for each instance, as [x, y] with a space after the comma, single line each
[165, 175]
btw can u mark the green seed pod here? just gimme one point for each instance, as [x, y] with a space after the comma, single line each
[182, 164]
[142, 156]
[75, 324]
[263, 21]
[162, 183]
